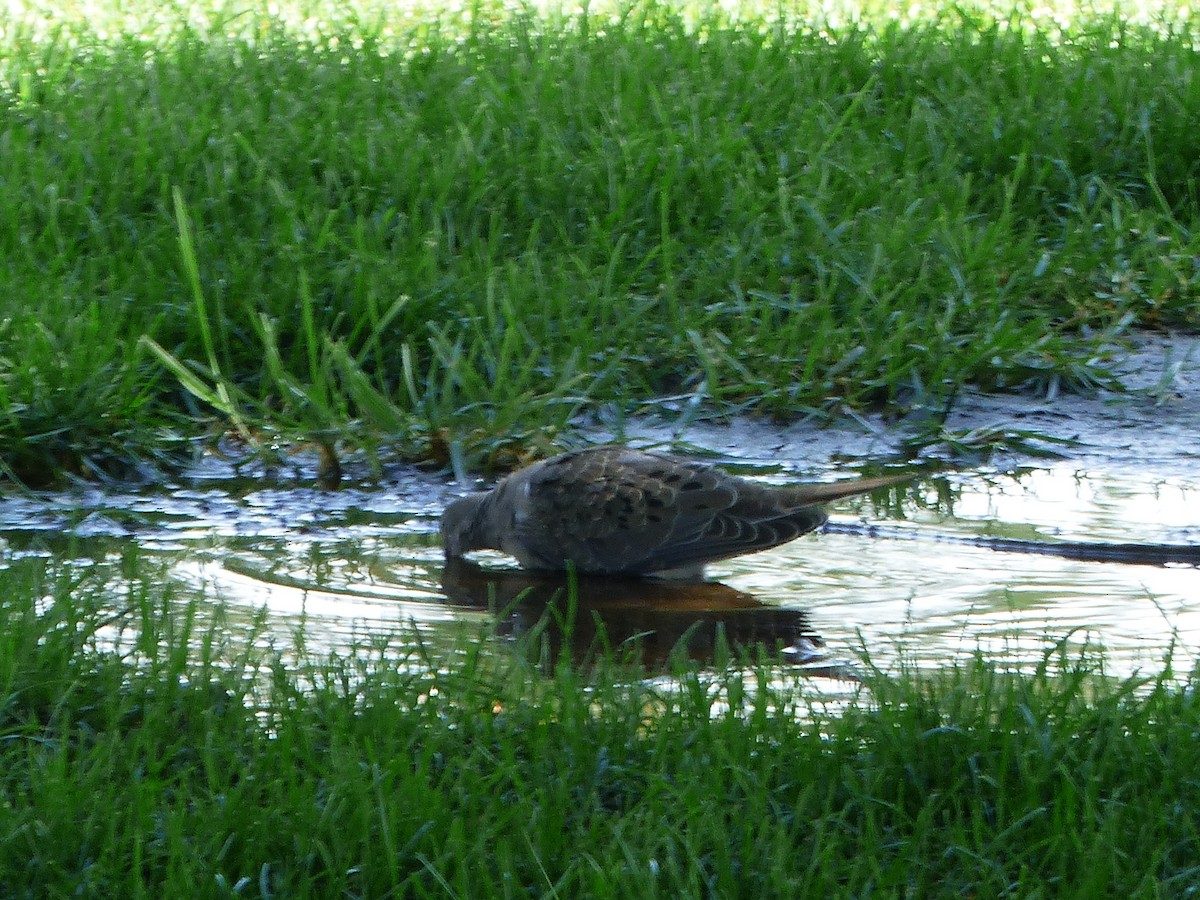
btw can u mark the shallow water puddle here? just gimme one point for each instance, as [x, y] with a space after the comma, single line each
[338, 569]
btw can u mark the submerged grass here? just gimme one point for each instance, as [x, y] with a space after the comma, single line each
[182, 765]
[461, 229]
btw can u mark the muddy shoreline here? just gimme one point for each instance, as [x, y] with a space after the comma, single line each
[1152, 428]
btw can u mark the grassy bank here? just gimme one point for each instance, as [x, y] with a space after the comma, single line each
[191, 766]
[417, 231]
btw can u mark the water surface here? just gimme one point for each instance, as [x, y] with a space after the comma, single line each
[337, 568]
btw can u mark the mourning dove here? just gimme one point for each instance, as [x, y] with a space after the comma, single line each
[615, 511]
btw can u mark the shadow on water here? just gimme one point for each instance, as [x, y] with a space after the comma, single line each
[654, 619]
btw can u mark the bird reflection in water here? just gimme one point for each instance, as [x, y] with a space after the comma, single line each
[653, 619]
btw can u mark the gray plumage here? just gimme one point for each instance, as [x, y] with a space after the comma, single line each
[616, 511]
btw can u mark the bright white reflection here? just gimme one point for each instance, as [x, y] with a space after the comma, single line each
[932, 600]
[336, 570]
[1074, 505]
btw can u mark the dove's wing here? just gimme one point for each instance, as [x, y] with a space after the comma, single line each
[609, 509]
[613, 510]
[729, 536]
[762, 517]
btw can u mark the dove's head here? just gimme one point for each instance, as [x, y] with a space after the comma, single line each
[462, 525]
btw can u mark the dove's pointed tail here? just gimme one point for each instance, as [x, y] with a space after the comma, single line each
[810, 494]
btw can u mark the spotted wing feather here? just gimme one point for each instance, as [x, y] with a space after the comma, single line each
[613, 510]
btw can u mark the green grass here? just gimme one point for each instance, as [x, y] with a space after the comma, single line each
[191, 765]
[417, 232]
[434, 234]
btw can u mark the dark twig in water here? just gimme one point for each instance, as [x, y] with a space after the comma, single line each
[1094, 551]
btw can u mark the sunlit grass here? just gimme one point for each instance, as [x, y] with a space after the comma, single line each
[322, 22]
[428, 234]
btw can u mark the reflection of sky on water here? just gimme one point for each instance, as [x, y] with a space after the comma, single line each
[938, 601]
[354, 566]
[1072, 505]
[934, 600]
